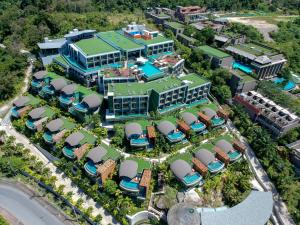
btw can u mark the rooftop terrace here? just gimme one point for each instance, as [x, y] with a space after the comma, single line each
[194, 79]
[156, 40]
[175, 25]
[255, 49]
[213, 52]
[94, 46]
[119, 40]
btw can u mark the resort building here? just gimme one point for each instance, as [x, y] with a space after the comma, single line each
[157, 16]
[183, 171]
[190, 14]
[78, 143]
[228, 38]
[256, 209]
[135, 135]
[212, 118]
[101, 163]
[56, 129]
[186, 40]
[53, 88]
[217, 57]
[175, 27]
[208, 158]
[22, 105]
[230, 149]
[37, 81]
[241, 82]
[38, 117]
[89, 105]
[170, 131]
[264, 111]
[135, 176]
[163, 95]
[256, 58]
[205, 23]
[193, 122]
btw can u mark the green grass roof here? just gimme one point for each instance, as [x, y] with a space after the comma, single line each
[68, 124]
[213, 52]
[119, 40]
[142, 164]
[185, 156]
[94, 46]
[255, 49]
[111, 153]
[195, 80]
[156, 40]
[246, 77]
[62, 60]
[88, 138]
[175, 25]
[33, 100]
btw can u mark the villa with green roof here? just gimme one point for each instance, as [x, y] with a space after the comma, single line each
[38, 117]
[217, 57]
[162, 95]
[23, 104]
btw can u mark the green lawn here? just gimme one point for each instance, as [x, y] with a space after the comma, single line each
[142, 164]
[213, 51]
[88, 137]
[226, 137]
[111, 153]
[185, 156]
[94, 46]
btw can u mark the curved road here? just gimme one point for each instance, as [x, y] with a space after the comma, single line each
[25, 208]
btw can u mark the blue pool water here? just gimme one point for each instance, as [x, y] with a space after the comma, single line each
[288, 87]
[139, 141]
[66, 99]
[14, 112]
[242, 67]
[81, 107]
[198, 126]
[36, 83]
[175, 136]
[48, 89]
[215, 166]
[217, 121]
[191, 179]
[69, 152]
[48, 137]
[30, 124]
[234, 155]
[127, 184]
[90, 167]
[150, 70]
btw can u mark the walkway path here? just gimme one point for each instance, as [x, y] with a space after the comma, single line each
[280, 211]
[62, 179]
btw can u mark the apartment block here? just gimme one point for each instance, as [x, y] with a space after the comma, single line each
[190, 14]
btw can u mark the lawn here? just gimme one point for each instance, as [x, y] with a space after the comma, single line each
[142, 164]
[185, 156]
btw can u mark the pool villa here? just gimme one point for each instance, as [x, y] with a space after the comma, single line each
[67, 96]
[55, 86]
[56, 129]
[170, 131]
[135, 135]
[77, 144]
[206, 157]
[22, 105]
[135, 176]
[229, 149]
[193, 122]
[185, 173]
[37, 81]
[94, 160]
[212, 116]
[288, 86]
[38, 116]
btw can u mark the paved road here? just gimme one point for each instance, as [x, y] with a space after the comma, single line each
[25, 208]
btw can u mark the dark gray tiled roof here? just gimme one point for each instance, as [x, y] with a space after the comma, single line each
[128, 168]
[166, 127]
[36, 113]
[74, 139]
[224, 145]
[133, 128]
[209, 112]
[58, 84]
[96, 154]
[21, 101]
[93, 101]
[189, 118]
[40, 74]
[55, 125]
[205, 156]
[69, 89]
[180, 168]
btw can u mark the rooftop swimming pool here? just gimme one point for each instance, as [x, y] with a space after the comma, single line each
[192, 179]
[150, 71]
[242, 67]
[90, 168]
[198, 126]
[129, 185]
[234, 155]
[176, 136]
[288, 87]
[215, 166]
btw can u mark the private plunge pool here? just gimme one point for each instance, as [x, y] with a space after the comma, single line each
[129, 185]
[290, 85]
[192, 179]
[244, 68]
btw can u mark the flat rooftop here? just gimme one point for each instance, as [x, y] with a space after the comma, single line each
[119, 41]
[94, 46]
[194, 80]
[213, 52]
[256, 49]
[175, 25]
[246, 77]
[157, 40]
